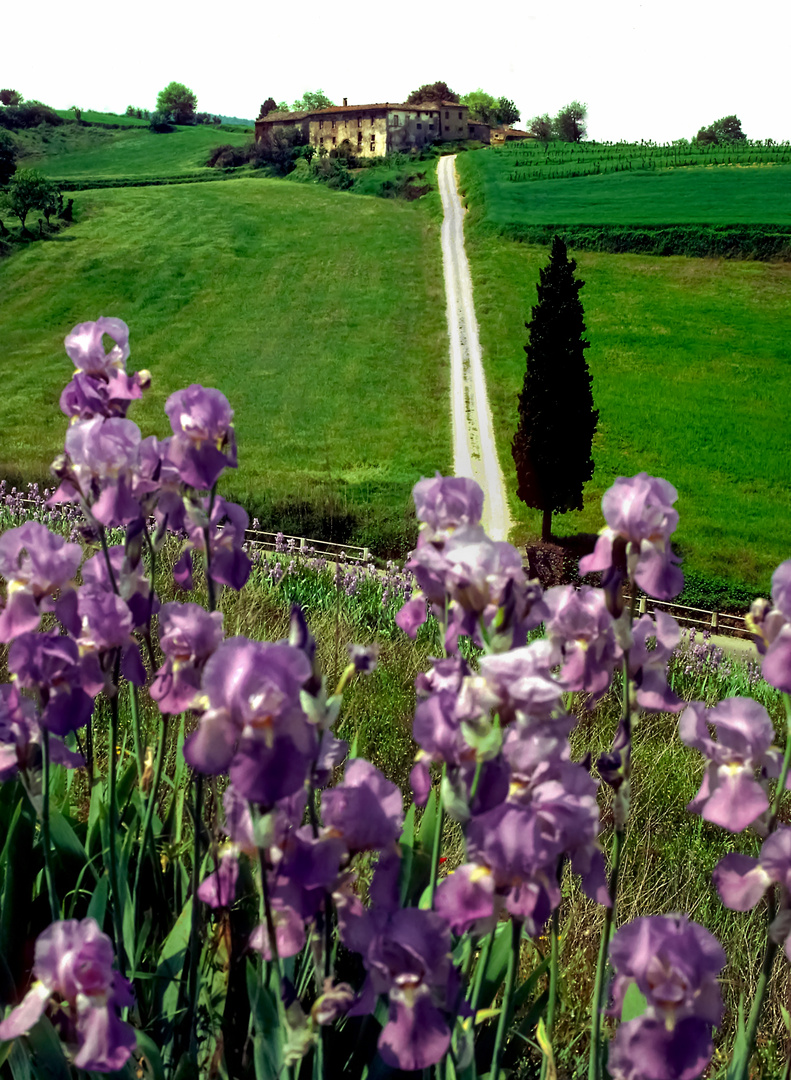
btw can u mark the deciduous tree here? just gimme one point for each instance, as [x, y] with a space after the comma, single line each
[10, 97]
[557, 420]
[312, 100]
[726, 130]
[541, 127]
[179, 101]
[488, 109]
[570, 123]
[436, 91]
[29, 190]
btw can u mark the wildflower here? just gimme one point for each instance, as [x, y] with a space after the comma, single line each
[581, 628]
[50, 663]
[674, 963]
[444, 502]
[203, 442]
[741, 881]
[366, 810]
[73, 964]
[636, 542]
[99, 468]
[188, 635]
[35, 563]
[100, 386]
[730, 795]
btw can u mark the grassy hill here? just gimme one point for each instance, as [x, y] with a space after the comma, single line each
[320, 316]
[73, 152]
[691, 374]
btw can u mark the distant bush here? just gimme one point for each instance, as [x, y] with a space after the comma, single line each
[30, 114]
[8, 156]
[227, 156]
[763, 242]
[161, 123]
[279, 149]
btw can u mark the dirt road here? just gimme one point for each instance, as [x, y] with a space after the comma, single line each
[474, 450]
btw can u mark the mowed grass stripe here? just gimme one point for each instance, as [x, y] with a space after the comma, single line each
[710, 195]
[320, 316]
[72, 153]
[692, 379]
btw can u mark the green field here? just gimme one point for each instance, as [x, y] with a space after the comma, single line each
[78, 153]
[692, 379]
[90, 116]
[754, 194]
[321, 317]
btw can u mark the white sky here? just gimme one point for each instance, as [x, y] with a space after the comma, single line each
[656, 70]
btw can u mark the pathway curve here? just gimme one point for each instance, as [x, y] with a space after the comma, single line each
[474, 449]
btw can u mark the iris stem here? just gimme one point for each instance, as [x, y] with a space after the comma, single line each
[508, 990]
[149, 811]
[207, 538]
[553, 978]
[133, 708]
[112, 768]
[601, 964]
[480, 971]
[194, 949]
[54, 903]
[771, 946]
[435, 848]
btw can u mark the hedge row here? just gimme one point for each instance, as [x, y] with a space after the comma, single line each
[157, 181]
[701, 241]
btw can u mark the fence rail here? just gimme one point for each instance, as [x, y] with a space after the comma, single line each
[718, 622]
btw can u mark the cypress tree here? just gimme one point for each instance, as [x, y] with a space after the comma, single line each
[557, 420]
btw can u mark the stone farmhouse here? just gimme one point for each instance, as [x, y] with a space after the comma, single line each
[374, 130]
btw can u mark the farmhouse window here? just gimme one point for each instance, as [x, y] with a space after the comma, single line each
[459, 116]
[395, 120]
[321, 124]
[333, 125]
[420, 125]
[373, 145]
[359, 121]
[334, 140]
[447, 114]
[359, 138]
[431, 123]
[447, 127]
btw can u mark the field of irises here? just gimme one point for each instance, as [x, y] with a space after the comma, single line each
[457, 846]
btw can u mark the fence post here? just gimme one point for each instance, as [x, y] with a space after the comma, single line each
[641, 606]
[715, 620]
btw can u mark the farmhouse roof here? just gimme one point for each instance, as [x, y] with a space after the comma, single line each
[423, 106]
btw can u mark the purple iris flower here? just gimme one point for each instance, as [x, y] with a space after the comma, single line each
[20, 736]
[203, 442]
[406, 953]
[230, 564]
[51, 664]
[648, 666]
[366, 810]
[771, 627]
[188, 635]
[133, 585]
[640, 521]
[581, 628]
[254, 726]
[85, 346]
[522, 682]
[444, 502]
[219, 888]
[741, 881]
[35, 563]
[675, 964]
[106, 624]
[101, 459]
[730, 794]
[73, 965]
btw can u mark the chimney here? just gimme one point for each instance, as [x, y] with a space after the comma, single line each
[345, 102]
